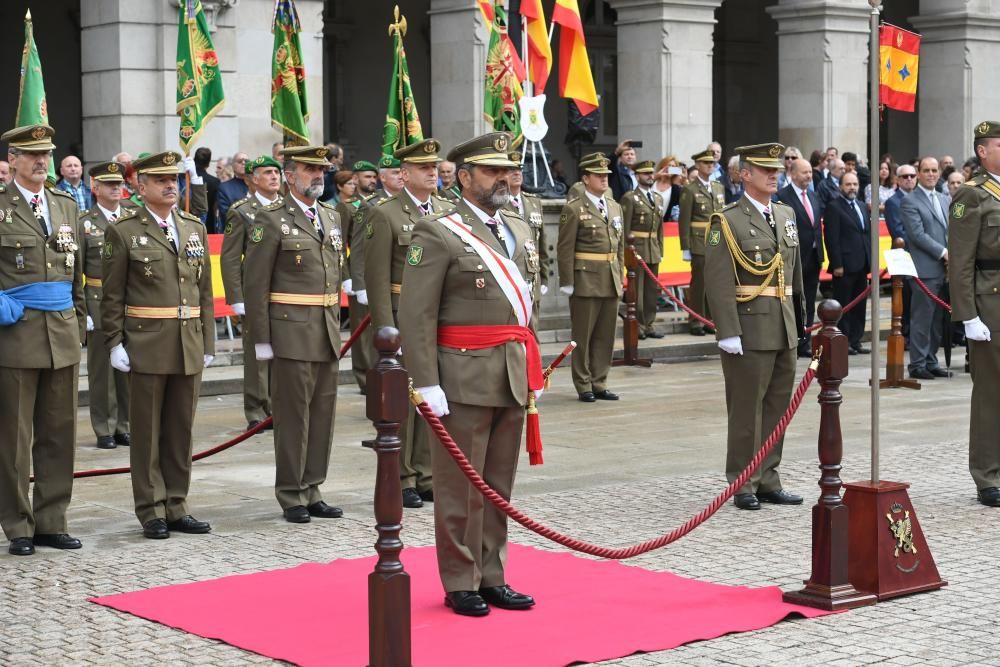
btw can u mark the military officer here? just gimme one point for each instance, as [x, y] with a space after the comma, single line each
[264, 182]
[390, 178]
[753, 270]
[973, 260]
[529, 207]
[641, 210]
[158, 320]
[699, 200]
[108, 387]
[199, 192]
[42, 321]
[454, 292]
[591, 256]
[388, 230]
[296, 255]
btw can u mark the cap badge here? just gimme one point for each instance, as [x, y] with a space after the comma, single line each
[38, 133]
[983, 128]
[604, 163]
[320, 152]
[500, 143]
[169, 158]
[113, 168]
[775, 151]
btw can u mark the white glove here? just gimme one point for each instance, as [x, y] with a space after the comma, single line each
[119, 359]
[90, 323]
[544, 289]
[362, 297]
[538, 393]
[567, 290]
[263, 351]
[732, 345]
[347, 285]
[435, 398]
[976, 330]
[686, 255]
[240, 309]
[208, 359]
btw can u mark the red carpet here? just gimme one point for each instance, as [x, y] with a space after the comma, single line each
[587, 611]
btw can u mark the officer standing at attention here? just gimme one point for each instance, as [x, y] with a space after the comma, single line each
[108, 387]
[974, 275]
[591, 256]
[158, 319]
[641, 210]
[42, 321]
[295, 255]
[467, 279]
[699, 200]
[264, 182]
[529, 208]
[758, 324]
[388, 230]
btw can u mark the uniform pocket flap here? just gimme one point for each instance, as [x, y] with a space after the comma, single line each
[146, 256]
[140, 324]
[294, 244]
[753, 245]
[11, 241]
[471, 264]
[988, 282]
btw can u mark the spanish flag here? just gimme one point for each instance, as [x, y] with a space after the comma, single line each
[575, 78]
[539, 52]
[899, 55]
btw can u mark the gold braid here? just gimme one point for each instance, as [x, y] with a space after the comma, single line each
[767, 269]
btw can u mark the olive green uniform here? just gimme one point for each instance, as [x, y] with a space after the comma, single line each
[698, 203]
[531, 213]
[643, 220]
[354, 214]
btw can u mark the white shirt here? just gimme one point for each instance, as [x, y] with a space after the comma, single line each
[707, 184]
[29, 195]
[170, 223]
[508, 236]
[515, 201]
[598, 201]
[107, 214]
[419, 203]
[305, 207]
[264, 200]
[760, 207]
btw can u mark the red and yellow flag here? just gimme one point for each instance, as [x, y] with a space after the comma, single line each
[539, 51]
[575, 78]
[899, 57]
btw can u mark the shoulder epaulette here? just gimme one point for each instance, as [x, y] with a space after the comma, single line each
[326, 204]
[729, 206]
[275, 205]
[781, 204]
[86, 213]
[189, 216]
[127, 214]
[573, 199]
[367, 197]
[61, 193]
[384, 200]
[240, 202]
[532, 195]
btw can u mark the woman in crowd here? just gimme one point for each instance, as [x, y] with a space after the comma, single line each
[886, 184]
[346, 187]
[668, 183]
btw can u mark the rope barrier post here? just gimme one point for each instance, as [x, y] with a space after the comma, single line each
[894, 365]
[828, 587]
[389, 584]
[630, 330]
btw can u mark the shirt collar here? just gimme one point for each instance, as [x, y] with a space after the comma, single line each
[415, 200]
[480, 213]
[107, 214]
[302, 205]
[756, 204]
[264, 200]
[168, 220]
[996, 177]
[929, 193]
[798, 190]
[28, 194]
[594, 198]
[706, 184]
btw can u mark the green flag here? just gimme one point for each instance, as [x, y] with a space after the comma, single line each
[199, 78]
[502, 87]
[289, 109]
[402, 123]
[32, 109]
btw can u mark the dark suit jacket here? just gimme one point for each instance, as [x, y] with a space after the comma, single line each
[212, 189]
[730, 195]
[828, 190]
[619, 180]
[848, 246]
[808, 233]
[230, 192]
[893, 220]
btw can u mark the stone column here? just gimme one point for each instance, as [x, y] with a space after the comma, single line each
[822, 73]
[458, 59]
[665, 74]
[959, 82]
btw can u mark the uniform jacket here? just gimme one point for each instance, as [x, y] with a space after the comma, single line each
[641, 216]
[926, 234]
[698, 203]
[447, 284]
[809, 233]
[532, 215]
[141, 269]
[893, 216]
[40, 339]
[93, 229]
[974, 236]
[352, 216]
[286, 255]
[582, 229]
[765, 323]
[230, 192]
[846, 244]
[239, 219]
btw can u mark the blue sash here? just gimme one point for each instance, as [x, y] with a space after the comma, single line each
[49, 296]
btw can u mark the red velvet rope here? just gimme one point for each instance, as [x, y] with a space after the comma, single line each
[934, 297]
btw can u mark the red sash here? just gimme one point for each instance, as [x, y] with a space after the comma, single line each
[481, 336]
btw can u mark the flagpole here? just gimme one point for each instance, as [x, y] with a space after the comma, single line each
[873, 73]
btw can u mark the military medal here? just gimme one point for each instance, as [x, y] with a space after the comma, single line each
[148, 271]
[19, 260]
[87, 226]
[480, 283]
[7, 216]
[284, 229]
[295, 232]
[617, 224]
[791, 231]
[335, 239]
[142, 241]
[298, 260]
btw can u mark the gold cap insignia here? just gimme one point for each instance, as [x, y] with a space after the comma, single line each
[983, 127]
[169, 158]
[38, 133]
[320, 152]
[500, 143]
[775, 151]
[604, 163]
[429, 147]
[113, 168]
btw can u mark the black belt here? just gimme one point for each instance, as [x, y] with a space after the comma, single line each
[988, 264]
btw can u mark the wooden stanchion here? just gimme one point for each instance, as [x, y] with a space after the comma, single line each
[630, 330]
[894, 365]
[389, 584]
[829, 587]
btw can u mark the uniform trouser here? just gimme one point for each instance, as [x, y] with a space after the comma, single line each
[363, 355]
[162, 409]
[415, 470]
[926, 326]
[470, 533]
[256, 381]
[305, 402]
[592, 323]
[696, 292]
[758, 388]
[647, 292]
[37, 428]
[984, 422]
[108, 389]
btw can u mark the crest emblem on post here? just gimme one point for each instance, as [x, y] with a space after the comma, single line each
[902, 530]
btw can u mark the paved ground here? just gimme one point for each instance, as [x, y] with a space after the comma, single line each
[615, 473]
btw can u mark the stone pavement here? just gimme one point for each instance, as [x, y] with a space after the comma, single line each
[615, 473]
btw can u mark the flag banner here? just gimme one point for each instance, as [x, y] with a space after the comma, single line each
[502, 84]
[289, 106]
[402, 123]
[576, 81]
[199, 78]
[539, 51]
[899, 57]
[32, 108]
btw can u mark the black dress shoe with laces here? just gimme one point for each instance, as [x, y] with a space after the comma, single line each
[123, 439]
[321, 510]
[297, 514]
[21, 546]
[427, 496]
[587, 397]
[106, 442]
[189, 524]
[466, 603]
[505, 597]
[860, 349]
[779, 497]
[922, 374]
[939, 372]
[411, 499]
[606, 395]
[56, 541]
[653, 334]
[989, 496]
[155, 529]
[746, 501]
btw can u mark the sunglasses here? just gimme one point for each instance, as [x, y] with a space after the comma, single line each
[907, 175]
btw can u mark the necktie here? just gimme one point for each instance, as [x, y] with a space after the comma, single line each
[311, 214]
[936, 206]
[808, 207]
[169, 233]
[861, 218]
[601, 206]
[516, 201]
[36, 209]
[494, 228]
[769, 220]
[649, 196]
[425, 208]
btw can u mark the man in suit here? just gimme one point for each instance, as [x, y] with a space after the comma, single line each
[39, 347]
[924, 213]
[265, 181]
[808, 214]
[467, 278]
[846, 230]
[157, 314]
[906, 181]
[641, 211]
[203, 158]
[699, 200]
[108, 387]
[623, 178]
[235, 188]
[757, 327]
[829, 187]
[294, 262]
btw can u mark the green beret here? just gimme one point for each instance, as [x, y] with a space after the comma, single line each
[363, 165]
[388, 162]
[262, 161]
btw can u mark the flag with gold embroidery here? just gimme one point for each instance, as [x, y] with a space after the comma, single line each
[402, 123]
[199, 77]
[502, 81]
[32, 108]
[289, 107]
[899, 56]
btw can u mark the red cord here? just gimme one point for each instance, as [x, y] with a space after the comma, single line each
[934, 297]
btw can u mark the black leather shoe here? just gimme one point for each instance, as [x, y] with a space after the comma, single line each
[697, 332]
[861, 349]
[56, 541]
[587, 397]
[779, 497]
[921, 374]
[851, 352]
[746, 501]
[252, 424]
[506, 597]
[155, 529]
[606, 395]
[123, 439]
[297, 514]
[989, 497]
[466, 603]
[321, 510]
[939, 372]
[21, 546]
[270, 425]
[642, 336]
[653, 334]
[427, 496]
[411, 499]
[106, 442]
[189, 524]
